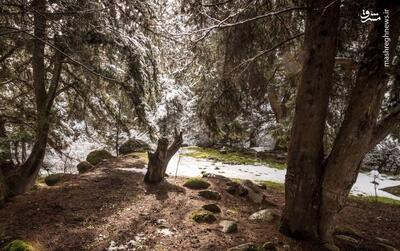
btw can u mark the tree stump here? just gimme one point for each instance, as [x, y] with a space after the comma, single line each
[158, 161]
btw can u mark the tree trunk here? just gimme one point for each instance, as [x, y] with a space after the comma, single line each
[158, 161]
[356, 136]
[25, 177]
[317, 188]
[302, 184]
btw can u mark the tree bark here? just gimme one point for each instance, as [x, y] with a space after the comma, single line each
[26, 175]
[359, 132]
[305, 155]
[317, 188]
[158, 161]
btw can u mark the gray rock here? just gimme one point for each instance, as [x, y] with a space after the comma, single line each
[214, 208]
[264, 215]
[228, 226]
[255, 194]
[210, 194]
[236, 189]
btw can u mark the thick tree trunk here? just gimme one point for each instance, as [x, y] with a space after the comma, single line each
[158, 161]
[357, 135]
[305, 155]
[317, 188]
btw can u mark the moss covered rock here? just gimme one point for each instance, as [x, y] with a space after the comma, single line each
[203, 217]
[97, 156]
[19, 245]
[209, 194]
[133, 145]
[196, 183]
[84, 166]
[53, 179]
[214, 208]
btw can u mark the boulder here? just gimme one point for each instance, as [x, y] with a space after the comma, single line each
[133, 145]
[228, 226]
[203, 217]
[84, 167]
[267, 215]
[214, 208]
[196, 183]
[255, 194]
[97, 156]
[209, 194]
[53, 179]
[235, 188]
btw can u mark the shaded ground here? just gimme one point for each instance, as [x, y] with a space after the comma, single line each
[90, 211]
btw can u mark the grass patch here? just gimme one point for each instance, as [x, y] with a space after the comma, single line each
[372, 199]
[142, 155]
[231, 157]
[274, 185]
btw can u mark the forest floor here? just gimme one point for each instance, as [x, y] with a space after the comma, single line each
[112, 209]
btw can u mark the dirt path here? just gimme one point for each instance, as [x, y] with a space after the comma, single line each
[111, 207]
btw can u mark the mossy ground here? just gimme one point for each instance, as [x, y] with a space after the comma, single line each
[231, 157]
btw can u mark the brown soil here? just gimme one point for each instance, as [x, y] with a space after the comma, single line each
[89, 211]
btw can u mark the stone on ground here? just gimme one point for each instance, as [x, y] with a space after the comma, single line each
[214, 208]
[267, 215]
[133, 145]
[95, 157]
[235, 188]
[53, 179]
[196, 183]
[19, 245]
[210, 195]
[228, 226]
[84, 167]
[203, 217]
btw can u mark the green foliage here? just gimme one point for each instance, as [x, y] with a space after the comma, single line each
[231, 157]
[97, 156]
[53, 179]
[19, 245]
[196, 183]
[203, 216]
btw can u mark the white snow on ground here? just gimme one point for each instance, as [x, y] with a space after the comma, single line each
[192, 167]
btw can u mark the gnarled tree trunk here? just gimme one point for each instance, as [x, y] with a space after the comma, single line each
[158, 161]
[317, 187]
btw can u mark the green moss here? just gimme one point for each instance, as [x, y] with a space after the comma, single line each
[372, 199]
[231, 157]
[196, 183]
[19, 245]
[97, 156]
[274, 185]
[53, 179]
[203, 216]
[84, 166]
